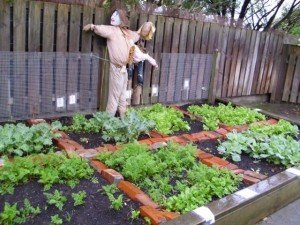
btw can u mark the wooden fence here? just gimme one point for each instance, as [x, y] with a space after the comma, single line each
[249, 63]
[291, 90]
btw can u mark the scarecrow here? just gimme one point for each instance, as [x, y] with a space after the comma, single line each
[121, 50]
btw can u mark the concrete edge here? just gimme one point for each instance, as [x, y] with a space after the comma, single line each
[251, 204]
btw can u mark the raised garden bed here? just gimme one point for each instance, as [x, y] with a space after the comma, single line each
[209, 155]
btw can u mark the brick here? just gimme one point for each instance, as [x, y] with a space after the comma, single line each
[154, 140]
[63, 135]
[146, 200]
[211, 134]
[87, 153]
[155, 134]
[158, 145]
[129, 189]
[241, 128]
[112, 176]
[110, 147]
[98, 165]
[231, 166]
[153, 214]
[215, 161]
[203, 155]
[169, 215]
[226, 127]
[198, 135]
[222, 131]
[250, 180]
[62, 144]
[189, 137]
[101, 149]
[238, 171]
[146, 141]
[76, 145]
[35, 121]
[255, 175]
[272, 121]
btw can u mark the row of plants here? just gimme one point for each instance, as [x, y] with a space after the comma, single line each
[20, 140]
[171, 175]
[275, 143]
[111, 128]
[136, 122]
[211, 116]
[48, 169]
[167, 120]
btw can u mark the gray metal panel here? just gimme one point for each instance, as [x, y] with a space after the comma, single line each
[179, 76]
[163, 83]
[34, 84]
[5, 85]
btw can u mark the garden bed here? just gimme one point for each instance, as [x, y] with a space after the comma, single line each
[246, 163]
[96, 209]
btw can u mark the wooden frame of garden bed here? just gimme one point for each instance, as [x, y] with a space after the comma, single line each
[278, 190]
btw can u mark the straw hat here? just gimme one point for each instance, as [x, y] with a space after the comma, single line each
[146, 31]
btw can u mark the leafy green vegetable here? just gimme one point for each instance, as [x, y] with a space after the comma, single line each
[116, 202]
[123, 130]
[283, 127]
[278, 149]
[56, 220]
[155, 172]
[56, 199]
[49, 169]
[213, 115]
[22, 140]
[167, 120]
[79, 198]
[12, 215]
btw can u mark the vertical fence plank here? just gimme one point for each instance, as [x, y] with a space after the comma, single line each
[222, 49]
[60, 59]
[19, 72]
[85, 94]
[202, 65]
[174, 60]
[4, 64]
[228, 59]
[4, 84]
[272, 59]
[258, 63]
[256, 52]
[99, 47]
[234, 56]
[4, 26]
[289, 78]
[157, 54]
[162, 94]
[48, 59]
[34, 59]
[148, 68]
[188, 60]
[296, 82]
[179, 75]
[268, 59]
[237, 73]
[74, 37]
[248, 62]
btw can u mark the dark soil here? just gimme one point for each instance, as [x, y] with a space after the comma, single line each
[95, 211]
[195, 125]
[246, 163]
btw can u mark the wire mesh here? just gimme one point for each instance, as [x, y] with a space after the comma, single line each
[184, 77]
[47, 84]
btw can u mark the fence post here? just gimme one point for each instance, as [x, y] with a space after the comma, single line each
[214, 77]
